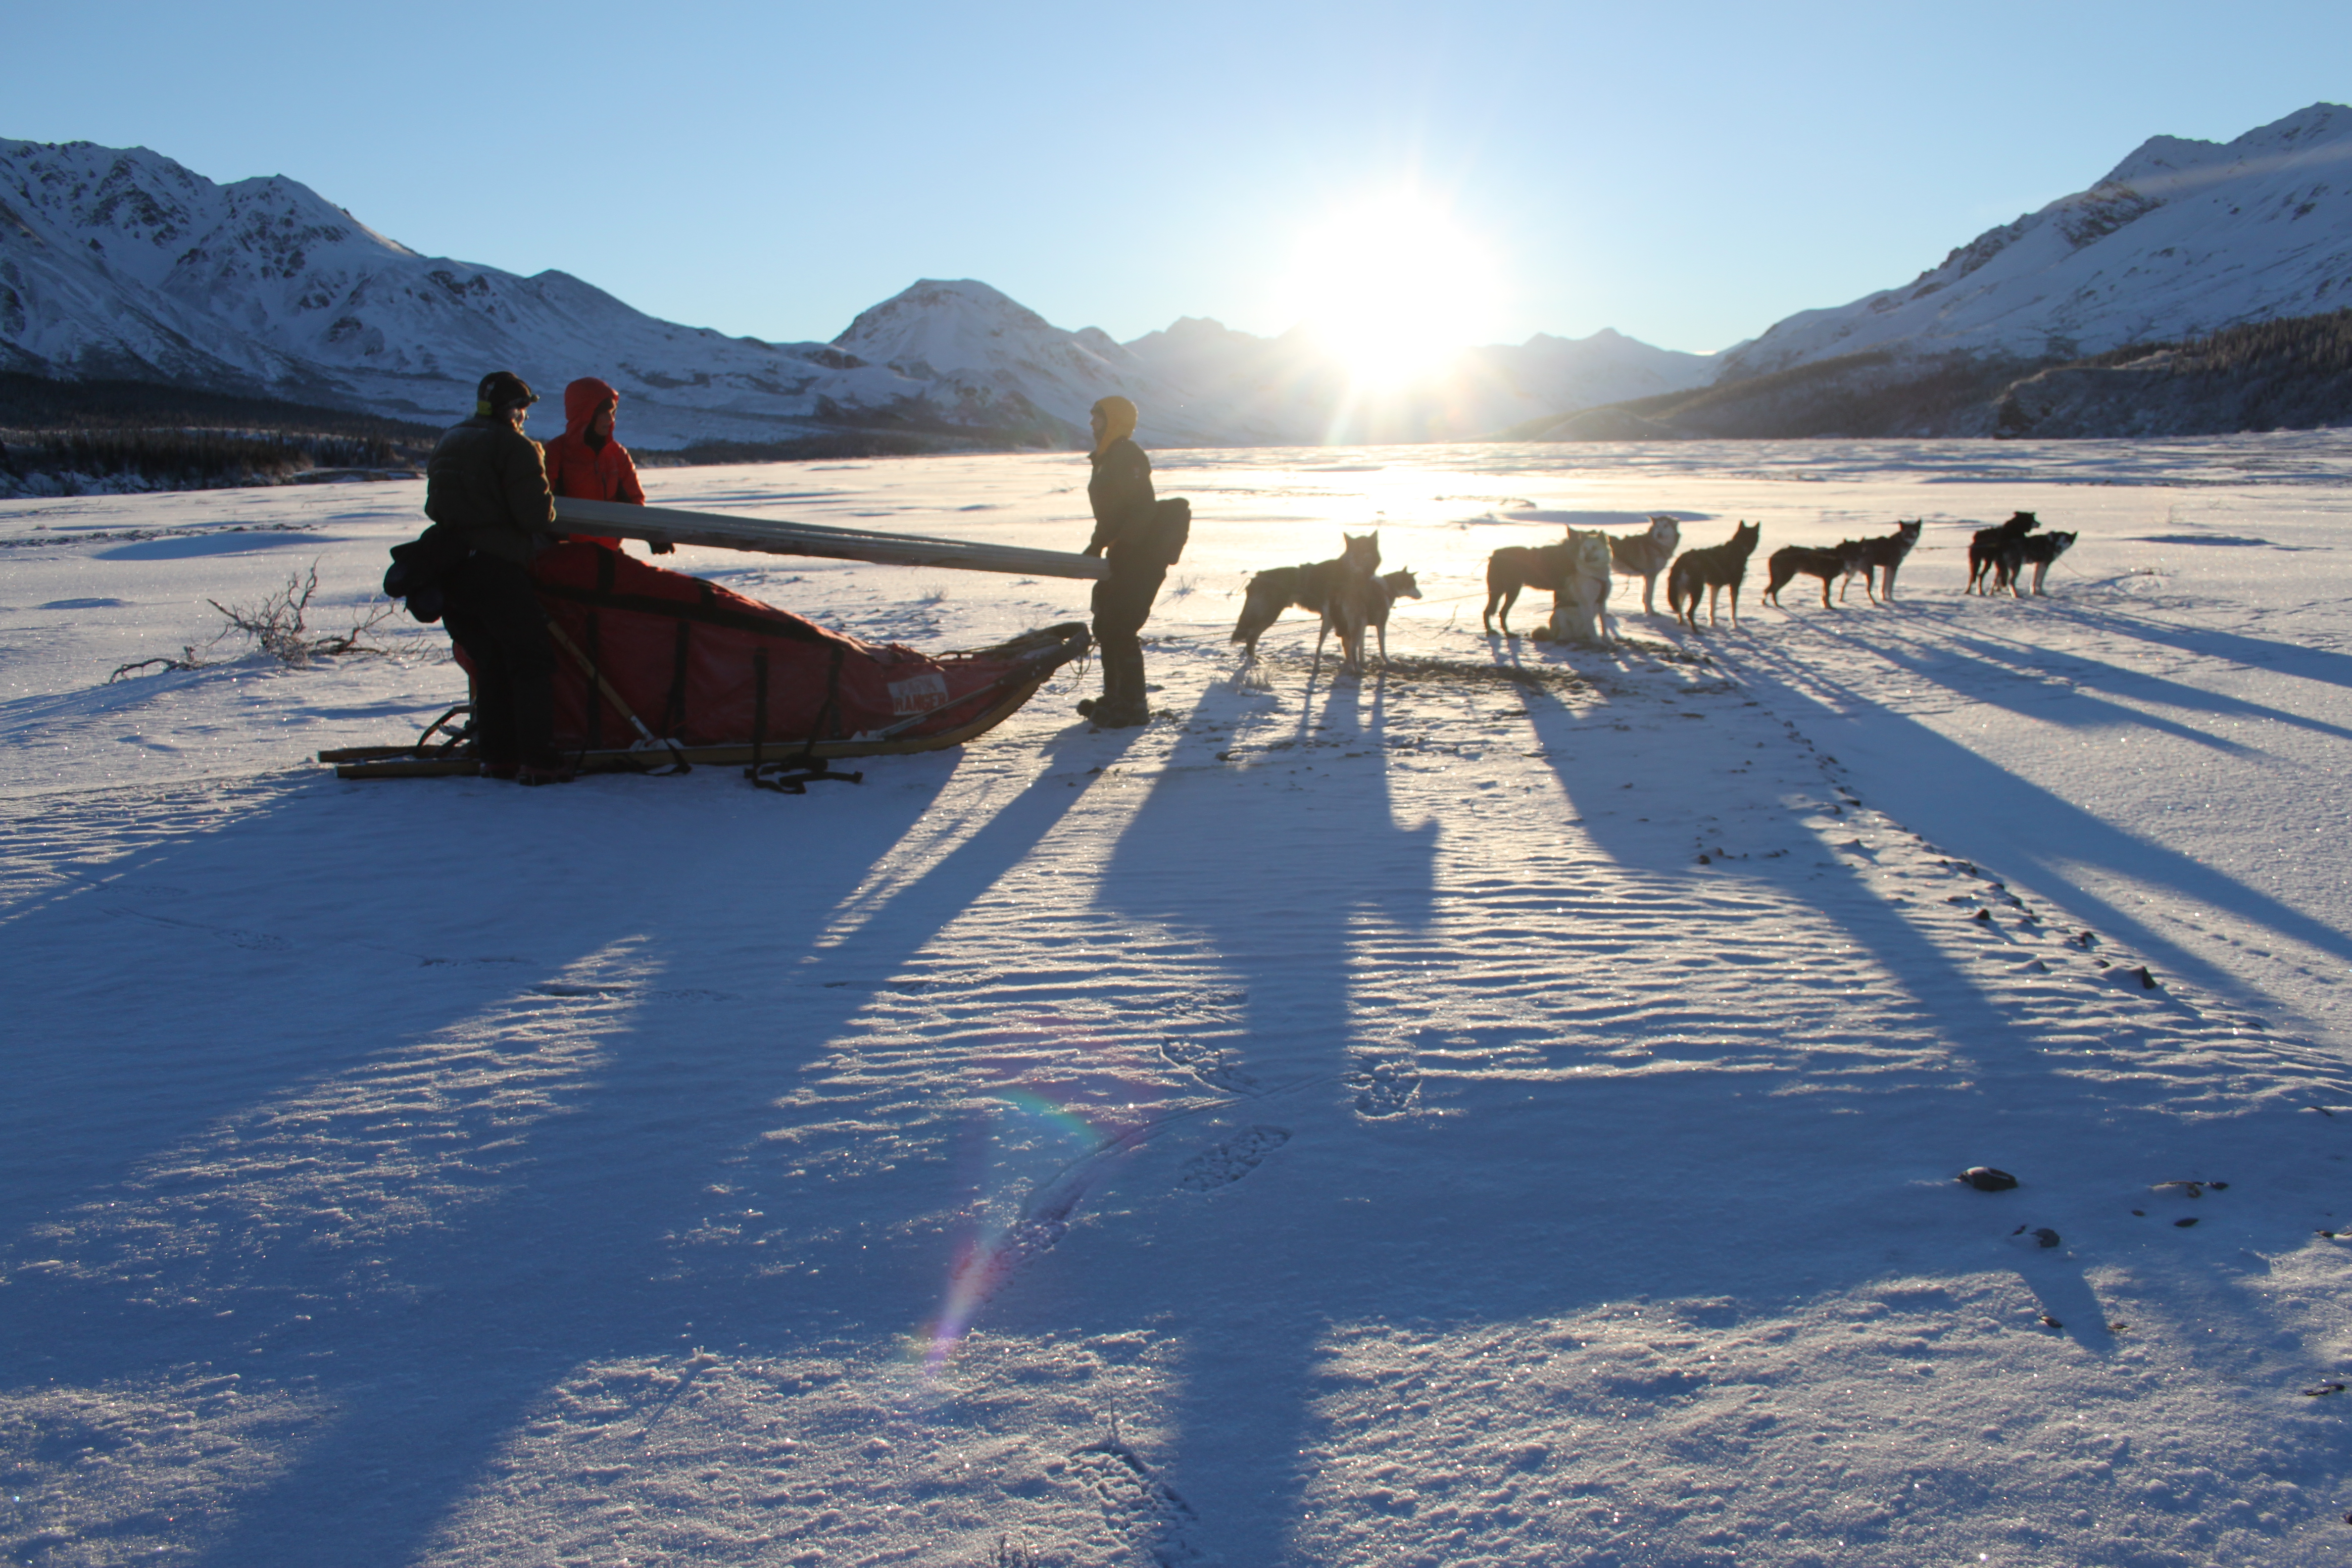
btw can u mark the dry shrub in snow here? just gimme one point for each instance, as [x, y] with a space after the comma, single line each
[279, 626]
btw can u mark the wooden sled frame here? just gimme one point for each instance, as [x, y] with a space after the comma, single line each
[1056, 646]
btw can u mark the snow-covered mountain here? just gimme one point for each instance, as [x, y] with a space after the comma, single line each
[2180, 239]
[124, 263]
[120, 262]
[988, 360]
[1292, 389]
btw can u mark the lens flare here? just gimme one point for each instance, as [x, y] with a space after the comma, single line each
[1042, 1148]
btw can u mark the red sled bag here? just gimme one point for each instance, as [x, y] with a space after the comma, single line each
[702, 667]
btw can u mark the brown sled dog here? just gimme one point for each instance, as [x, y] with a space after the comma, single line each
[1516, 567]
[1715, 568]
[1829, 566]
[1357, 604]
[1307, 587]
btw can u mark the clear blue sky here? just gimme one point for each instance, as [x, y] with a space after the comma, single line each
[1686, 173]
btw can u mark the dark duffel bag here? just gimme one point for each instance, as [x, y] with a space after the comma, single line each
[418, 567]
[1171, 528]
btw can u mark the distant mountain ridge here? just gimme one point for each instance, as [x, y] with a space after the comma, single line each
[122, 263]
[2119, 310]
[2180, 240]
[1294, 390]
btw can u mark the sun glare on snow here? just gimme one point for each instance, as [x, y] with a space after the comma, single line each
[1392, 286]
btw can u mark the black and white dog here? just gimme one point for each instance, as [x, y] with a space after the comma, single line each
[1883, 554]
[1991, 545]
[2037, 551]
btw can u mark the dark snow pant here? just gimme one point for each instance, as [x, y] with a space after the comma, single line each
[493, 614]
[1122, 603]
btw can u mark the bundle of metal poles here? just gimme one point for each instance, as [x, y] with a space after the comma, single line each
[670, 525]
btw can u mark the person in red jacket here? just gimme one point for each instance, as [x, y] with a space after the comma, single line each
[585, 462]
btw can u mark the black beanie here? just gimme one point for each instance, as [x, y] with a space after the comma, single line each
[501, 390]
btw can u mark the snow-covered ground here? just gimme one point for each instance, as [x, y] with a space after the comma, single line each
[1504, 1111]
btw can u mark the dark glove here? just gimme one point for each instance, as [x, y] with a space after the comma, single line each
[1094, 549]
[661, 547]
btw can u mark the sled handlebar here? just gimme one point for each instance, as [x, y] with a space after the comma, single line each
[670, 525]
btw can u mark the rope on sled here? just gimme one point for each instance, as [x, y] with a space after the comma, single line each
[794, 777]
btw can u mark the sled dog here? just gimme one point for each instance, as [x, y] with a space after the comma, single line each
[1644, 555]
[1990, 545]
[1580, 606]
[1715, 568]
[1516, 567]
[1388, 588]
[1347, 595]
[1839, 565]
[2038, 552]
[1358, 605]
[1884, 554]
[1305, 587]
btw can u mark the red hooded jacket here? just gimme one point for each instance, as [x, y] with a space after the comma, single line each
[591, 473]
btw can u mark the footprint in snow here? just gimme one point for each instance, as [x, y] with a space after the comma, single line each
[1384, 1091]
[1143, 1511]
[1209, 1064]
[1231, 1161]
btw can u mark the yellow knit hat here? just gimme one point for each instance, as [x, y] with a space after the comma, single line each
[1119, 420]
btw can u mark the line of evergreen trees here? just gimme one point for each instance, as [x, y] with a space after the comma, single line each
[2302, 345]
[191, 460]
[182, 437]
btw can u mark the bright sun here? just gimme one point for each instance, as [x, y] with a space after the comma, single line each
[1392, 286]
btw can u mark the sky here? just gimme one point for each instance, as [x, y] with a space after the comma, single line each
[1685, 173]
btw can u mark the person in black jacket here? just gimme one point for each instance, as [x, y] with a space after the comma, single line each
[486, 482]
[1125, 509]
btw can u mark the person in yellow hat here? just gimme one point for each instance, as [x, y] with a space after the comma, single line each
[1132, 532]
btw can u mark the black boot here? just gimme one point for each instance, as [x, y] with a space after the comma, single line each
[1114, 698]
[1124, 704]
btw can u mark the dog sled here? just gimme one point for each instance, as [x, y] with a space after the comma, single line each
[656, 671]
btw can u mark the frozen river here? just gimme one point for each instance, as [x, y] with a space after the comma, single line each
[1500, 1112]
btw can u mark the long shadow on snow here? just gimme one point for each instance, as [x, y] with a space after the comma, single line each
[2233, 647]
[230, 954]
[2031, 670]
[1997, 1087]
[1277, 893]
[568, 1252]
[626, 1256]
[1755, 1190]
[1967, 803]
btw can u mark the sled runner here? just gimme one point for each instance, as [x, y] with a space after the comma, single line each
[657, 671]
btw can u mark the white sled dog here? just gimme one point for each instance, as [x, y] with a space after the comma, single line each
[1644, 555]
[1580, 611]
